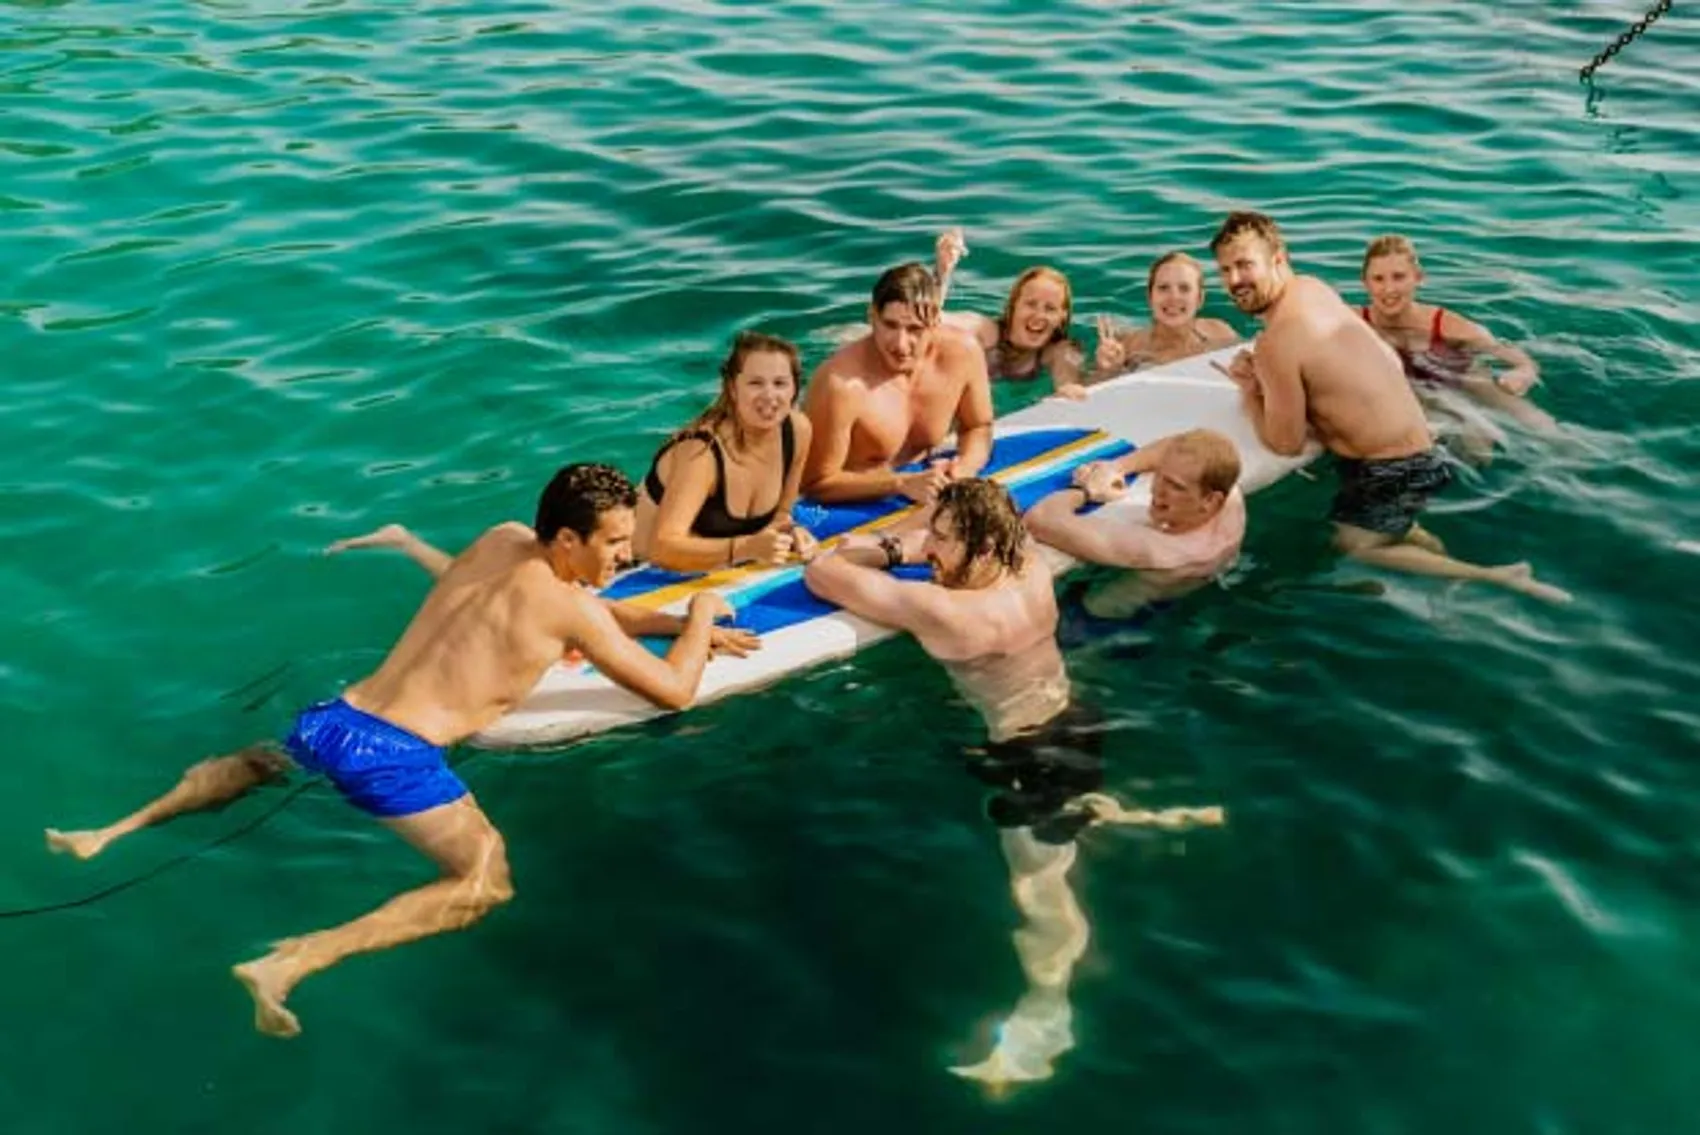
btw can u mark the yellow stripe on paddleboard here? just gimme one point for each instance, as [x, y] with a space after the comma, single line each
[673, 592]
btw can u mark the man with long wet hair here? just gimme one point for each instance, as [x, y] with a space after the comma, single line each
[989, 616]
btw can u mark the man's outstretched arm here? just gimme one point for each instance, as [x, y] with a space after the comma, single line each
[641, 622]
[669, 682]
[1115, 541]
[853, 576]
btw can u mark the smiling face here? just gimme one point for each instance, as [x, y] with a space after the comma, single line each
[1175, 292]
[585, 521]
[1038, 309]
[944, 550]
[763, 391]
[1392, 281]
[596, 559]
[1255, 274]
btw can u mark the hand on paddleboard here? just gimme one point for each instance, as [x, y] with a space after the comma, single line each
[735, 641]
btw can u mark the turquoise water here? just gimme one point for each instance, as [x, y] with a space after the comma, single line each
[278, 273]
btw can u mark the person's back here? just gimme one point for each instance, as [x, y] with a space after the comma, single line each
[485, 634]
[1002, 619]
[1360, 402]
[498, 617]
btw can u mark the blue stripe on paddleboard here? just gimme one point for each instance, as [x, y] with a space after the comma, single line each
[825, 521]
[791, 602]
[782, 600]
[1031, 488]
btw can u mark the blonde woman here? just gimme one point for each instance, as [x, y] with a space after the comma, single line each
[1440, 349]
[1031, 335]
[1174, 289]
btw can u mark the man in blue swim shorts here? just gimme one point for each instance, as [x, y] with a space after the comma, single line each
[497, 618]
[1317, 366]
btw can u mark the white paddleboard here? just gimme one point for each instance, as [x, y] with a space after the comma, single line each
[1034, 452]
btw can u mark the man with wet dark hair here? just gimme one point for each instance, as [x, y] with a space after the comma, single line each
[500, 614]
[895, 394]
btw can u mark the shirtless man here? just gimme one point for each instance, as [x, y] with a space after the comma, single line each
[1317, 363]
[893, 395]
[498, 617]
[1191, 533]
[990, 618]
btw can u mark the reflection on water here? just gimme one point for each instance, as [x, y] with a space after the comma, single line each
[280, 273]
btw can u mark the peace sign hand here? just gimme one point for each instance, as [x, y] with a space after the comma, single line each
[1111, 355]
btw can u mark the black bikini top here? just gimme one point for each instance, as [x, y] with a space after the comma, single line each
[715, 521]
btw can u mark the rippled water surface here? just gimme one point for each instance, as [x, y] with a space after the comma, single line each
[274, 273]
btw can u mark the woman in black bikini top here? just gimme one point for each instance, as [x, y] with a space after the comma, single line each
[720, 491]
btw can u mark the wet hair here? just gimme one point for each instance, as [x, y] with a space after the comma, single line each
[745, 344]
[577, 496]
[1037, 272]
[984, 517]
[1247, 223]
[912, 283]
[1390, 245]
[1176, 257]
[1219, 461]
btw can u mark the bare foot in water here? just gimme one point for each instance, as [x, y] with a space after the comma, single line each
[264, 980]
[389, 536]
[998, 1072]
[1026, 1050]
[1521, 577]
[84, 845]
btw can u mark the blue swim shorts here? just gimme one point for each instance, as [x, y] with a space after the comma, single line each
[380, 768]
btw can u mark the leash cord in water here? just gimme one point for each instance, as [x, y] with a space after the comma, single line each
[178, 860]
[162, 868]
[1627, 38]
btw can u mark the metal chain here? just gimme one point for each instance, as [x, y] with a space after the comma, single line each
[1626, 38]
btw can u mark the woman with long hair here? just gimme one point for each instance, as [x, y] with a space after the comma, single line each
[720, 491]
[1031, 334]
[1174, 290]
